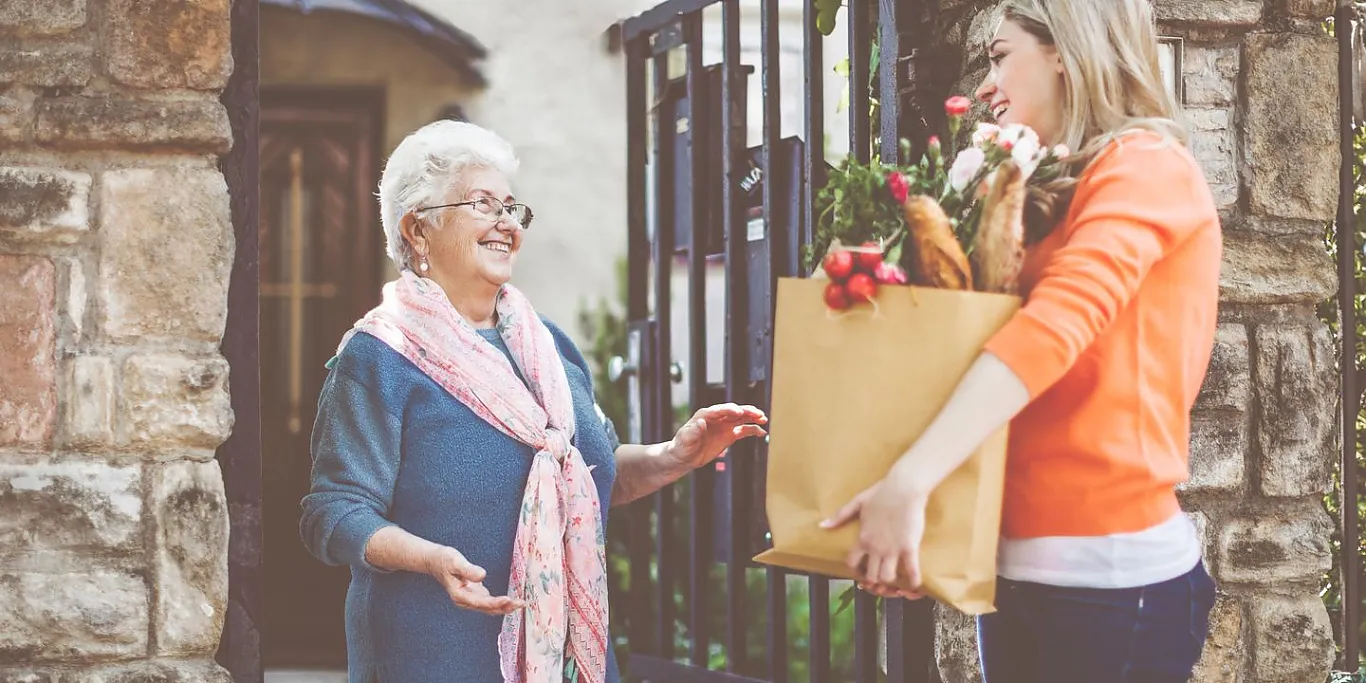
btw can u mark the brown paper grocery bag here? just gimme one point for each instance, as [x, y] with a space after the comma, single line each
[851, 391]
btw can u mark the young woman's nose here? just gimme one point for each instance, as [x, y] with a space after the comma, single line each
[987, 89]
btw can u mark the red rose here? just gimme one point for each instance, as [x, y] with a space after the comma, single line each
[957, 105]
[933, 143]
[897, 184]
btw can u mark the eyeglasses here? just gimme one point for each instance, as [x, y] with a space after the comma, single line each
[521, 213]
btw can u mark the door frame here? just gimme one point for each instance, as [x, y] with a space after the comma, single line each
[239, 456]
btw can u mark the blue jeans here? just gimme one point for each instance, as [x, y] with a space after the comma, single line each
[1048, 634]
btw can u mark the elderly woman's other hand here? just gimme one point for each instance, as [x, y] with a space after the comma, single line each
[463, 581]
[711, 431]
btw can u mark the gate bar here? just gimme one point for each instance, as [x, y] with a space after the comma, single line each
[813, 164]
[660, 16]
[1347, 252]
[733, 134]
[663, 351]
[637, 309]
[703, 478]
[860, 72]
[777, 266]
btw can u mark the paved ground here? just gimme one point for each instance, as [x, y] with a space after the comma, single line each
[282, 676]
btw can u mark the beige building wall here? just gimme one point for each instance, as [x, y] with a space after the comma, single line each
[333, 49]
[558, 93]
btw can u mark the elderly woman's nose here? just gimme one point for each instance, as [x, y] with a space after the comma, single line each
[506, 222]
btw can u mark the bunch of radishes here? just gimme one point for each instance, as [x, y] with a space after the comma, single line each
[856, 273]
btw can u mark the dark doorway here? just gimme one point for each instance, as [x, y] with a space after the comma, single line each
[320, 250]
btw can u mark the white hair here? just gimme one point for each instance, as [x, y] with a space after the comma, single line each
[426, 165]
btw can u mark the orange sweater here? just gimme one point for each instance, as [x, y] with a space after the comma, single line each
[1113, 342]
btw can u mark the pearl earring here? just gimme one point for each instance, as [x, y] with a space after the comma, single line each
[425, 266]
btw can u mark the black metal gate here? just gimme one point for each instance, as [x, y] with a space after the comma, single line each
[697, 608]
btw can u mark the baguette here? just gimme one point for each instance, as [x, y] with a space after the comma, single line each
[998, 249]
[937, 259]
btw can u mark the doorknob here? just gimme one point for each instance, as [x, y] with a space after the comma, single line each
[618, 367]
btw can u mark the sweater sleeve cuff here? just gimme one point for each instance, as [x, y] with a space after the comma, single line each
[352, 534]
[1029, 348]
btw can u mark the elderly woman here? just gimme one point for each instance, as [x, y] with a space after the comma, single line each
[461, 466]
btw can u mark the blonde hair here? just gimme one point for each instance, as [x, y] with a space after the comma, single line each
[1112, 84]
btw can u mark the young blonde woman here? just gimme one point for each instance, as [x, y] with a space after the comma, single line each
[1102, 577]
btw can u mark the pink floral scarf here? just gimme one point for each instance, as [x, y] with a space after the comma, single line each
[558, 561]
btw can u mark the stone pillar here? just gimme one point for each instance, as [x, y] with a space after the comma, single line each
[115, 246]
[1261, 101]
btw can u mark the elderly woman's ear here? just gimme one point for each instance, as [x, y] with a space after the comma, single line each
[414, 231]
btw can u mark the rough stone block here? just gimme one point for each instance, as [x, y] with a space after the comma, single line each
[1279, 269]
[191, 512]
[1218, 452]
[192, 125]
[28, 404]
[1228, 383]
[72, 312]
[956, 646]
[154, 671]
[1271, 550]
[28, 676]
[1211, 75]
[1292, 639]
[171, 400]
[72, 617]
[89, 392]
[1221, 13]
[1297, 426]
[61, 514]
[151, 288]
[41, 17]
[16, 114]
[170, 43]
[1213, 145]
[1290, 125]
[45, 202]
[1309, 9]
[48, 67]
[1201, 522]
[981, 32]
[1225, 650]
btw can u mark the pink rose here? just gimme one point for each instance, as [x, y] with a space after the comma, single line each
[965, 167]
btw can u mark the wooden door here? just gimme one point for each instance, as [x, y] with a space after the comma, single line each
[320, 247]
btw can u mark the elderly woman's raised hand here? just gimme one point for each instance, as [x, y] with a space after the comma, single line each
[463, 581]
[712, 430]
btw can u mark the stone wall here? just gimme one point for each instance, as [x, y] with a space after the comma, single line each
[115, 247]
[1261, 100]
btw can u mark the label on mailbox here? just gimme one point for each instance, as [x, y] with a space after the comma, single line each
[755, 229]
